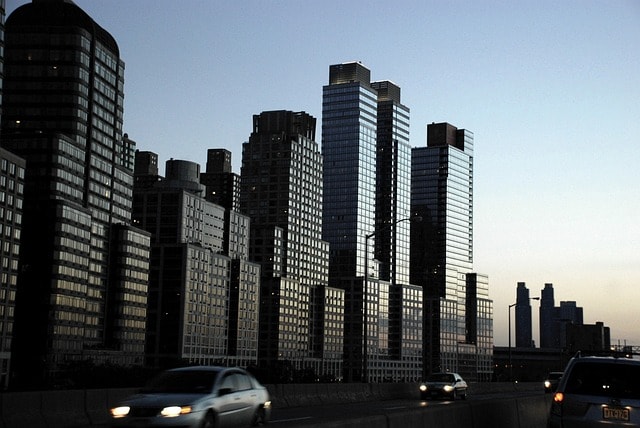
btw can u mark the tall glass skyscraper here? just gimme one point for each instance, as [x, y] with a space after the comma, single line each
[365, 143]
[442, 244]
[62, 112]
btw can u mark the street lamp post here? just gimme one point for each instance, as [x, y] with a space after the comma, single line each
[510, 363]
[365, 293]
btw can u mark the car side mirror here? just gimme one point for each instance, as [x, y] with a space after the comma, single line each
[224, 391]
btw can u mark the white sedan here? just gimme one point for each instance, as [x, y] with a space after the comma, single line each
[196, 397]
[443, 385]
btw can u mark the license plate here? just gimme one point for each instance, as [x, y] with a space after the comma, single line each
[615, 413]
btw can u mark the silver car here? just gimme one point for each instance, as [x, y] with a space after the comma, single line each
[443, 385]
[598, 391]
[196, 397]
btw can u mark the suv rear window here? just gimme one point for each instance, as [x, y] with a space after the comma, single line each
[610, 379]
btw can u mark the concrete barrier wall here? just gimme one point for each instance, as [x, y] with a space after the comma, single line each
[89, 408]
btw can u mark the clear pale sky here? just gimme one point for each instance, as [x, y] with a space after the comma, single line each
[551, 90]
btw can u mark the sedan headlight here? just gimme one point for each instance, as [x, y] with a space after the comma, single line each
[547, 384]
[173, 411]
[448, 388]
[120, 412]
[423, 387]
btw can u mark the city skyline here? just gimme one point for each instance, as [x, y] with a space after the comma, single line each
[548, 90]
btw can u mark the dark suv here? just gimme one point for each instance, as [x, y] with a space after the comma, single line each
[597, 391]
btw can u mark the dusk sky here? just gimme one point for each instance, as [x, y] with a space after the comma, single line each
[550, 89]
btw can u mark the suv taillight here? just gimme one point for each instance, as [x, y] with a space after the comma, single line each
[556, 405]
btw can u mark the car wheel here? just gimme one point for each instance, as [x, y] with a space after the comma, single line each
[258, 417]
[209, 421]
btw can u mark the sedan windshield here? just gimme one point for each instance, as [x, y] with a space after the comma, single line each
[441, 377]
[189, 382]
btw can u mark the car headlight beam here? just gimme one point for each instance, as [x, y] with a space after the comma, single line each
[173, 411]
[120, 412]
[448, 388]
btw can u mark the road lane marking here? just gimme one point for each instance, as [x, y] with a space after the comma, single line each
[289, 420]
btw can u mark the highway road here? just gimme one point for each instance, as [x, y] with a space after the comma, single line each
[310, 415]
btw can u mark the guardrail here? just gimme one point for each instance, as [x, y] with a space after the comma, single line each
[89, 408]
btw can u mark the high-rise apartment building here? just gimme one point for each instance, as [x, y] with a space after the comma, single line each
[365, 143]
[222, 187]
[62, 112]
[203, 303]
[281, 182]
[442, 247]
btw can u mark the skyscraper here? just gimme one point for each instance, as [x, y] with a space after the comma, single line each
[524, 332]
[365, 143]
[548, 335]
[281, 182]
[393, 207]
[442, 246]
[62, 112]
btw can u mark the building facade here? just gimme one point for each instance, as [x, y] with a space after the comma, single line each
[62, 112]
[555, 321]
[203, 304]
[479, 328]
[281, 182]
[365, 143]
[546, 315]
[524, 329]
[442, 247]
[12, 169]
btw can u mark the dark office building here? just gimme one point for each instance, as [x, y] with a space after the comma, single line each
[442, 249]
[587, 337]
[281, 182]
[554, 320]
[145, 173]
[479, 324]
[524, 331]
[548, 337]
[62, 112]
[222, 185]
[11, 202]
